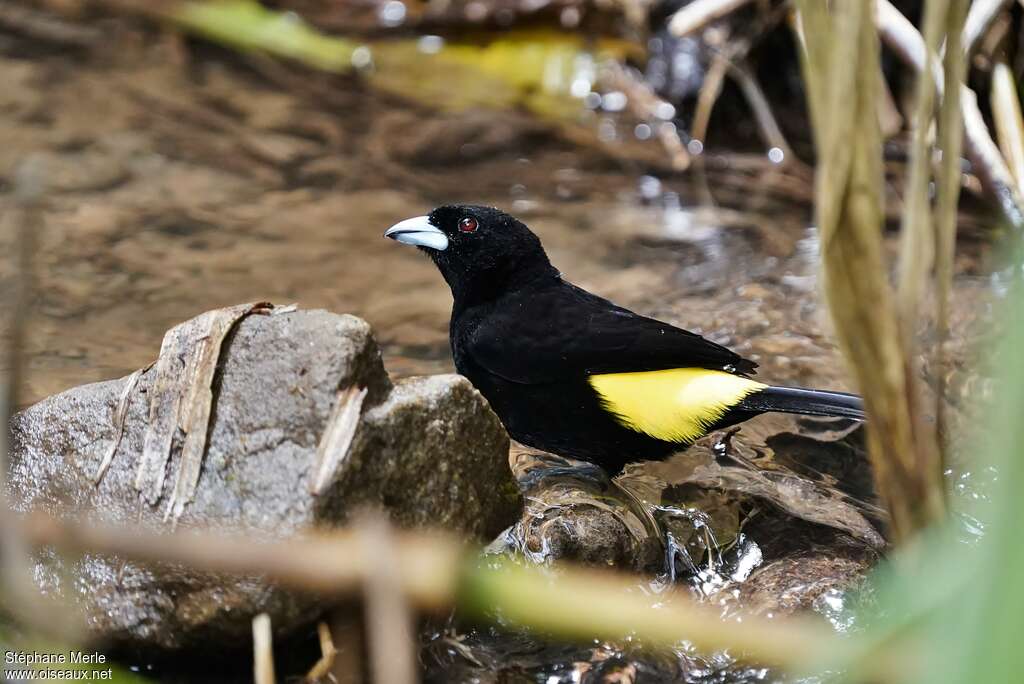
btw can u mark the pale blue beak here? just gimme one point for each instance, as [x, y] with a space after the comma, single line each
[418, 231]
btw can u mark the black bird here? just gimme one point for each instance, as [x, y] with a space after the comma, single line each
[572, 373]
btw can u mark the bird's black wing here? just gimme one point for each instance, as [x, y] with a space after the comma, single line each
[564, 332]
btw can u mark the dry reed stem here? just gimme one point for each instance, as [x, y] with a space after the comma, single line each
[917, 246]
[1007, 116]
[950, 180]
[263, 650]
[708, 96]
[393, 652]
[769, 128]
[843, 75]
[435, 572]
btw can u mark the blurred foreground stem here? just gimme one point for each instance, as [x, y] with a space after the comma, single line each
[435, 572]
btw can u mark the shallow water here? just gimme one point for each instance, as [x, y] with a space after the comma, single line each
[154, 215]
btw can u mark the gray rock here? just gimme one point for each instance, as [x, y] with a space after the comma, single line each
[429, 450]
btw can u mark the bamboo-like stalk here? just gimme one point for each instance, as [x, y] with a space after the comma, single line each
[950, 132]
[917, 246]
[841, 68]
[388, 618]
[434, 572]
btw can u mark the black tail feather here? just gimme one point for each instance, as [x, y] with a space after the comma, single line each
[805, 402]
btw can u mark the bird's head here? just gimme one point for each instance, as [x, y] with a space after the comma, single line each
[479, 250]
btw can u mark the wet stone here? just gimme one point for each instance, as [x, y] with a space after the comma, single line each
[428, 450]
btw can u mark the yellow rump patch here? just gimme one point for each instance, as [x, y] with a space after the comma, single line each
[675, 405]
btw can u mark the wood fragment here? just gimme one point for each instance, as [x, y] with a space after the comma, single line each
[163, 413]
[337, 438]
[180, 403]
[263, 650]
[120, 412]
[198, 404]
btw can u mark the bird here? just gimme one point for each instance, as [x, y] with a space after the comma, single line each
[573, 374]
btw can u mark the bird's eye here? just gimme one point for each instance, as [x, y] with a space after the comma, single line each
[468, 225]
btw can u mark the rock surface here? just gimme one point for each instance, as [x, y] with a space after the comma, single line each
[429, 450]
[764, 519]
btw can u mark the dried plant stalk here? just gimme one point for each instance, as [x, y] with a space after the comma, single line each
[986, 161]
[263, 650]
[1007, 117]
[389, 624]
[917, 246]
[843, 75]
[434, 571]
[951, 135]
[322, 668]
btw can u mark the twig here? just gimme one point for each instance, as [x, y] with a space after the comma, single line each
[328, 651]
[979, 19]
[646, 105]
[949, 182]
[700, 13]
[708, 96]
[988, 165]
[1009, 124]
[766, 122]
[263, 650]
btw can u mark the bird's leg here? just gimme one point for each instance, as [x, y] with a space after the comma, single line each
[555, 467]
[674, 550]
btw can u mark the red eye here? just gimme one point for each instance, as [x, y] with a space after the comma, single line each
[468, 225]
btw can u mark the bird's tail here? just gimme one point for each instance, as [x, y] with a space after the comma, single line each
[804, 401]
